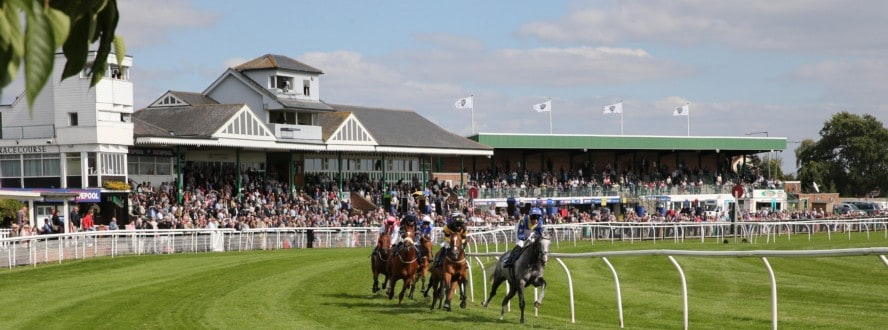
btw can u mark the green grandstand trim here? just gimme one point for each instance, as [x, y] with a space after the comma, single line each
[629, 142]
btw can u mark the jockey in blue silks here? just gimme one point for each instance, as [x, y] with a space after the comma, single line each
[526, 228]
[426, 228]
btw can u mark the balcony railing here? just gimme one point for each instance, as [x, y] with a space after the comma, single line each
[297, 132]
[616, 190]
[28, 132]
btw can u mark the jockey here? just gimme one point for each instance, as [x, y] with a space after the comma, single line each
[526, 228]
[407, 221]
[389, 226]
[456, 225]
[426, 228]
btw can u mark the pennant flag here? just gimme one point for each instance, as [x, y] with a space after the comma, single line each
[465, 103]
[543, 107]
[682, 110]
[613, 108]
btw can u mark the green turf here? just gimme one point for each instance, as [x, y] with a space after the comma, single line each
[330, 288]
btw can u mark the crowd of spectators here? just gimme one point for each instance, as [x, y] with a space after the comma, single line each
[211, 199]
[650, 177]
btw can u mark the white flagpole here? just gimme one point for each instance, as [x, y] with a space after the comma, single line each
[689, 119]
[472, 96]
[550, 115]
[621, 117]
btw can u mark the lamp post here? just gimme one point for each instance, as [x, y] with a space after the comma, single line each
[769, 153]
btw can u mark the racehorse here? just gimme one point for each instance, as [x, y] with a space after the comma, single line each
[379, 260]
[402, 266]
[528, 269]
[454, 273]
[425, 257]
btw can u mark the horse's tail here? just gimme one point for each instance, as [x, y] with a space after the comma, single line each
[496, 266]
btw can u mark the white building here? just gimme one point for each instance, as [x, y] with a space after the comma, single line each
[75, 137]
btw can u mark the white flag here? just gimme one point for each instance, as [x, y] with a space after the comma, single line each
[682, 110]
[543, 107]
[465, 103]
[613, 108]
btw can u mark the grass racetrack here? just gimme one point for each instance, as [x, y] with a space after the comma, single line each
[330, 288]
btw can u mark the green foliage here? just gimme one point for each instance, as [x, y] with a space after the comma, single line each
[72, 25]
[8, 208]
[850, 157]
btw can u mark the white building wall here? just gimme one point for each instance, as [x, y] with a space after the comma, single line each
[232, 91]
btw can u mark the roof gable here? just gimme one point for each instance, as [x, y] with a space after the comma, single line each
[179, 98]
[245, 125]
[351, 131]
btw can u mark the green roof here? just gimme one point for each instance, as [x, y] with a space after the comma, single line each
[629, 142]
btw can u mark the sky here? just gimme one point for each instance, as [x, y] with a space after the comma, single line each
[744, 67]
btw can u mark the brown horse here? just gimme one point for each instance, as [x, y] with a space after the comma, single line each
[454, 273]
[425, 258]
[402, 266]
[436, 276]
[379, 260]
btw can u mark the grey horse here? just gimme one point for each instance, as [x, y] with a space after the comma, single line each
[527, 270]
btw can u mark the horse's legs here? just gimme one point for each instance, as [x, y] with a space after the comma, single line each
[513, 289]
[462, 293]
[540, 282]
[447, 285]
[521, 300]
[405, 283]
[496, 283]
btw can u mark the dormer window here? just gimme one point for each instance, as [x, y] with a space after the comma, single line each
[306, 87]
[283, 83]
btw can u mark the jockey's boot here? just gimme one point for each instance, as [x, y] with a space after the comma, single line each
[511, 258]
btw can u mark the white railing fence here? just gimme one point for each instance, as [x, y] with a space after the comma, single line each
[753, 230]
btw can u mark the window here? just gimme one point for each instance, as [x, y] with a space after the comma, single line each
[150, 165]
[73, 164]
[283, 83]
[118, 72]
[72, 119]
[306, 87]
[112, 164]
[41, 165]
[126, 117]
[87, 71]
[10, 166]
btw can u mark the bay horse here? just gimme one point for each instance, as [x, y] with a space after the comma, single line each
[527, 270]
[379, 260]
[402, 266]
[454, 270]
[425, 258]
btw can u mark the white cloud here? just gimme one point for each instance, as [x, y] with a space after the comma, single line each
[145, 23]
[577, 66]
[825, 26]
[855, 81]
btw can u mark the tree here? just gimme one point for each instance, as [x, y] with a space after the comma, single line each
[850, 158]
[72, 25]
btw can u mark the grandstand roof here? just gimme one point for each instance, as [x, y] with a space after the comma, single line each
[629, 142]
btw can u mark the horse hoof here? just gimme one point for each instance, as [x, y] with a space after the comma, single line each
[537, 304]
[462, 305]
